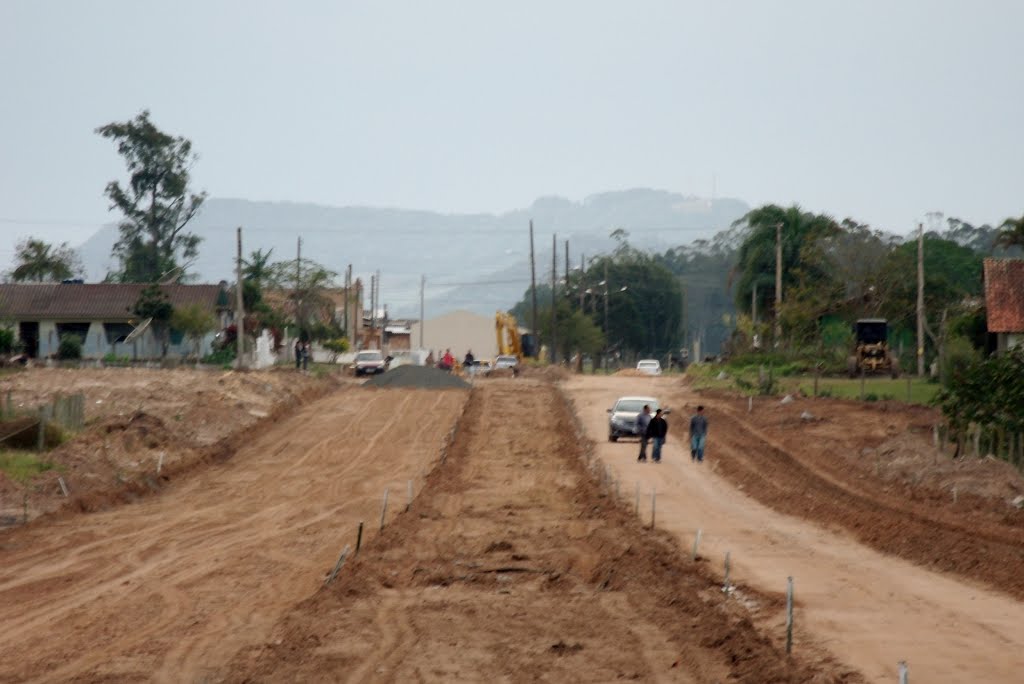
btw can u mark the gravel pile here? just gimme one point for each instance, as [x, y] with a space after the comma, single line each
[416, 376]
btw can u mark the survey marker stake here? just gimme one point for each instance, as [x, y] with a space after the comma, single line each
[337, 566]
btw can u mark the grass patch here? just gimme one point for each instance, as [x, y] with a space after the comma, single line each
[22, 466]
[745, 380]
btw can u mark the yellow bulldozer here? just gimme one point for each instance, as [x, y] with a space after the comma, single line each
[872, 353]
[507, 329]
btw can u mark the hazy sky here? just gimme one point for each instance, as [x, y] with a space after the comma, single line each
[879, 110]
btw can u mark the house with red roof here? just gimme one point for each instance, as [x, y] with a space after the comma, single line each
[100, 314]
[1004, 301]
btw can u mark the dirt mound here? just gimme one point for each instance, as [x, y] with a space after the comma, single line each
[422, 377]
[630, 373]
[552, 373]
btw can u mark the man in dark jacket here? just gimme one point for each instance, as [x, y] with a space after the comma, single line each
[656, 432]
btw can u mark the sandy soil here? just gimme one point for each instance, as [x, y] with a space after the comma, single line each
[886, 567]
[514, 567]
[138, 418]
[171, 587]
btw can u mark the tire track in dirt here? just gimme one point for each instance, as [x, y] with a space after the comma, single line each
[935, 538]
[169, 588]
[511, 565]
[867, 608]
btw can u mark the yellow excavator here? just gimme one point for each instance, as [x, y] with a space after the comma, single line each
[509, 343]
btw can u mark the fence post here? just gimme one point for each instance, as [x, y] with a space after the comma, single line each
[384, 509]
[789, 615]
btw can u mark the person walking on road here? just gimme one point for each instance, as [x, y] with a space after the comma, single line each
[657, 429]
[698, 435]
[643, 419]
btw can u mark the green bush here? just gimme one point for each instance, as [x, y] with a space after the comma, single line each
[960, 354]
[221, 357]
[70, 348]
[6, 341]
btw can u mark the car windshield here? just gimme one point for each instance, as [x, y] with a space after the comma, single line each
[505, 361]
[634, 405]
[369, 356]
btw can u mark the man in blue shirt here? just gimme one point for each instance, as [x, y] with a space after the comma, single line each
[698, 435]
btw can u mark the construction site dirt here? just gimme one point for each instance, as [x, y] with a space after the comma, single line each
[527, 552]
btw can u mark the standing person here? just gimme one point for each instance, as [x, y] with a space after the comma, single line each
[698, 435]
[657, 429]
[298, 353]
[643, 419]
[306, 351]
[470, 359]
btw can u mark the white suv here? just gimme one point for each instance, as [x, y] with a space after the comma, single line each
[649, 367]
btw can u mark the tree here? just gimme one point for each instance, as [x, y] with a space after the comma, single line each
[154, 304]
[258, 268]
[40, 262]
[1011, 233]
[756, 258]
[157, 204]
[308, 305]
[195, 322]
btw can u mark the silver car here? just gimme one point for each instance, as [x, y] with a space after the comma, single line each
[622, 416]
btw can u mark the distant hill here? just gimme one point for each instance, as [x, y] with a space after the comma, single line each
[478, 262]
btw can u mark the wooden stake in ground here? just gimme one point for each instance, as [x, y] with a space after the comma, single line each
[408, 503]
[696, 544]
[359, 537]
[337, 566]
[384, 509]
[903, 672]
[63, 486]
[789, 615]
[725, 584]
[654, 500]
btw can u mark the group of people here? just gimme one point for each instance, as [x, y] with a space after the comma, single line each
[654, 430]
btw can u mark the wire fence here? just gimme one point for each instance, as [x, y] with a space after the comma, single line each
[67, 412]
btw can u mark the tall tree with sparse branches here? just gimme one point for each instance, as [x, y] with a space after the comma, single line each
[156, 204]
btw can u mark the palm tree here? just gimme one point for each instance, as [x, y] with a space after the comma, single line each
[1011, 233]
[257, 267]
[41, 262]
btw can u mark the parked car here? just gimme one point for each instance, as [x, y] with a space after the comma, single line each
[481, 367]
[649, 366]
[369, 362]
[622, 416]
[505, 362]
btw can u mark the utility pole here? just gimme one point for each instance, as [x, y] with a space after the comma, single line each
[582, 281]
[533, 285]
[778, 283]
[240, 309]
[567, 295]
[607, 336]
[348, 301]
[373, 305]
[423, 286]
[920, 300]
[380, 341]
[554, 288]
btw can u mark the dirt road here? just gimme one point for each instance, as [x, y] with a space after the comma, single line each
[513, 566]
[170, 588]
[870, 609]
